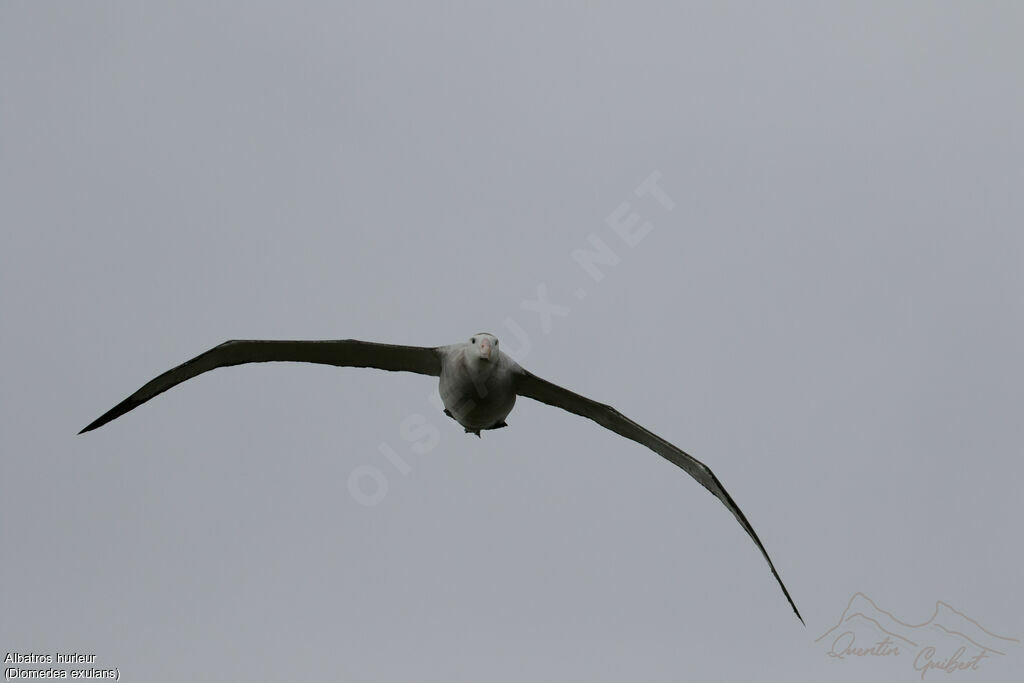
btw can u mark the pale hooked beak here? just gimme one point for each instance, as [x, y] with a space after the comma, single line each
[485, 350]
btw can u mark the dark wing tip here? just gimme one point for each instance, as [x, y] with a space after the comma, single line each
[795, 610]
[114, 413]
[98, 422]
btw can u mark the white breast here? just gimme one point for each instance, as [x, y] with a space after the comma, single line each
[478, 395]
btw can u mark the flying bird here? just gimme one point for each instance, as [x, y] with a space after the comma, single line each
[478, 385]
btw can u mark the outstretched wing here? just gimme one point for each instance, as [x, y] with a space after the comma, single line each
[340, 352]
[531, 386]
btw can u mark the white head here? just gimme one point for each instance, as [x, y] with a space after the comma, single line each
[484, 347]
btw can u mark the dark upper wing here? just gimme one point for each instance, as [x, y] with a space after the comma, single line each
[341, 352]
[528, 384]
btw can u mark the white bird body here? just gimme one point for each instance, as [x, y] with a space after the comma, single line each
[478, 385]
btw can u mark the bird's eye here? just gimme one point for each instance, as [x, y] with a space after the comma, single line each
[473, 340]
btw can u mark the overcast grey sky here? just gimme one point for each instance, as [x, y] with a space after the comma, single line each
[829, 315]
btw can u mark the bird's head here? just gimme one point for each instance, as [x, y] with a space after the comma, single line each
[484, 347]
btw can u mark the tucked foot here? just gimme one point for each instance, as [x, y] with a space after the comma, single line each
[473, 431]
[498, 425]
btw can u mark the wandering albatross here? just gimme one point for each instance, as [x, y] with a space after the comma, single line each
[478, 386]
